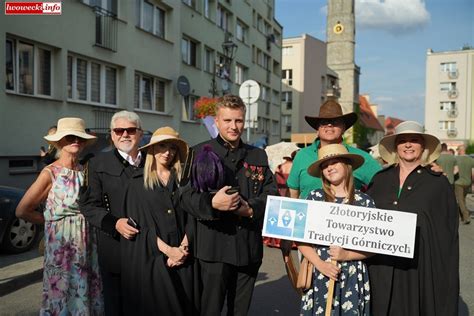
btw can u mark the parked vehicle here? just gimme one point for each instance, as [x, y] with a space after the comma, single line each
[16, 235]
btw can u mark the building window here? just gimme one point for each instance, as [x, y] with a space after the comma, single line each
[91, 81]
[190, 3]
[275, 126]
[286, 121]
[28, 68]
[188, 107]
[287, 76]
[208, 59]
[446, 125]
[260, 23]
[287, 50]
[188, 52]
[448, 67]
[447, 86]
[241, 31]
[240, 73]
[151, 18]
[447, 106]
[206, 8]
[149, 93]
[287, 99]
[223, 17]
[109, 5]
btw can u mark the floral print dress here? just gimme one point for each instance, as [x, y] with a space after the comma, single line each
[352, 289]
[71, 279]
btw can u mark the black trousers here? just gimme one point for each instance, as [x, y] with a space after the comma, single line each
[221, 281]
[112, 293]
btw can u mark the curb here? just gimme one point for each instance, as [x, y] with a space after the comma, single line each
[20, 281]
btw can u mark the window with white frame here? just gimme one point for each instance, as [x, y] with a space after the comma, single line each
[189, 51]
[265, 94]
[151, 17]
[275, 127]
[223, 18]
[191, 3]
[287, 99]
[28, 68]
[208, 6]
[286, 121]
[448, 67]
[447, 106]
[208, 60]
[91, 81]
[447, 86]
[240, 73]
[275, 97]
[149, 93]
[287, 50]
[260, 23]
[446, 125]
[188, 107]
[241, 31]
[287, 76]
[109, 5]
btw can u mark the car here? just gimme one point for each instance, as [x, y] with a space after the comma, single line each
[16, 235]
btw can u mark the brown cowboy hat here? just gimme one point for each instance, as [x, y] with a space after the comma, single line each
[334, 151]
[331, 110]
[168, 134]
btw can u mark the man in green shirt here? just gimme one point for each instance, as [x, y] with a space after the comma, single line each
[448, 162]
[331, 125]
[462, 184]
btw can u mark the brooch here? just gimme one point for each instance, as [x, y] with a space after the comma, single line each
[254, 172]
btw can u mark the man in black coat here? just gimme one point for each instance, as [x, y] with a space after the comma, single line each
[229, 246]
[101, 202]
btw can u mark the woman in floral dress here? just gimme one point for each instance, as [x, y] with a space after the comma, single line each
[351, 290]
[71, 279]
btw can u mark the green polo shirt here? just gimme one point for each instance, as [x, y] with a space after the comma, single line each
[299, 179]
[465, 165]
[447, 162]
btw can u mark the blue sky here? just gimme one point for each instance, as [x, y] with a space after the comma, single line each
[392, 37]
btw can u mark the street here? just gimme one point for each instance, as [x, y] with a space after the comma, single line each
[273, 293]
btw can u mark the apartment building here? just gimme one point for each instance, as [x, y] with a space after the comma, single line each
[154, 57]
[306, 81]
[449, 98]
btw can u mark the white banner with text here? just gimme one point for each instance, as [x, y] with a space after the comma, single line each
[352, 227]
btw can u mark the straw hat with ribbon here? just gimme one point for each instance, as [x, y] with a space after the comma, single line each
[388, 149]
[168, 134]
[331, 110]
[70, 126]
[334, 151]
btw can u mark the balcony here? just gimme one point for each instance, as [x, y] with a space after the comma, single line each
[453, 74]
[453, 113]
[105, 29]
[453, 93]
[452, 132]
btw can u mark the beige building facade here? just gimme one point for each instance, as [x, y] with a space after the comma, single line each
[306, 81]
[449, 99]
[102, 56]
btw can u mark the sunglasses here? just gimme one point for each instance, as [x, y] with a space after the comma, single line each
[331, 122]
[130, 130]
[73, 138]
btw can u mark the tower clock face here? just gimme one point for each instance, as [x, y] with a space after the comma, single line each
[338, 28]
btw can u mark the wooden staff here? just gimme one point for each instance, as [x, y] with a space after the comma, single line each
[330, 293]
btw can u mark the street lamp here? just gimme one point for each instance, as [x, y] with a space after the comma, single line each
[222, 69]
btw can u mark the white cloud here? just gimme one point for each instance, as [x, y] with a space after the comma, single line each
[394, 16]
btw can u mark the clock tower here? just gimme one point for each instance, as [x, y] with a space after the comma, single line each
[340, 31]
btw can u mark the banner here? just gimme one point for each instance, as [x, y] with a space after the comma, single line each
[352, 227]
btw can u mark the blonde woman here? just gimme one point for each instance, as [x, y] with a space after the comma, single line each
[71, 280]
[157, 265]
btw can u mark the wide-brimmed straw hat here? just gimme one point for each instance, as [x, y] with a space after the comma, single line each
[70, 126]
[168, 134]
[331, 110]
[388, 150]
[334, 151]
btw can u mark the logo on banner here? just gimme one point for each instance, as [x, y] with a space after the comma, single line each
[287, 219]
[32, 8]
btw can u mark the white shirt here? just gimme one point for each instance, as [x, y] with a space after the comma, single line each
[129, 159]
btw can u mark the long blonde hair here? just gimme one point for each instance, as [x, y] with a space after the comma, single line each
[150, 174]
[349, 185]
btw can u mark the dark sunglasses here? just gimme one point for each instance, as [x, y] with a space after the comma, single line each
[130, 130]
[73, 138]
[332, 122]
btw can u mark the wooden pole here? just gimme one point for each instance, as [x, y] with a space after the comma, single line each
[330, 293]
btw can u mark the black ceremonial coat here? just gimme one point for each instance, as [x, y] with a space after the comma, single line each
[101, 203]
[149, 287]
[428, 284]
[227, 237]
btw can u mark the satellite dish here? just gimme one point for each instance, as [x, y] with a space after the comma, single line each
[249, 91]
[183, 86]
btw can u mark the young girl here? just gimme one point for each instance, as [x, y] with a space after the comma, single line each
[351, 290]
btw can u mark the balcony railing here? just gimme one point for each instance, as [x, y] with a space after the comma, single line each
[105, 29]
[452, 93]
[453, 112]
[453, 74]
[452, 132]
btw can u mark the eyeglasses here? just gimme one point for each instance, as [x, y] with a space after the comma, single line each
[73, 138]
[130, 130]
